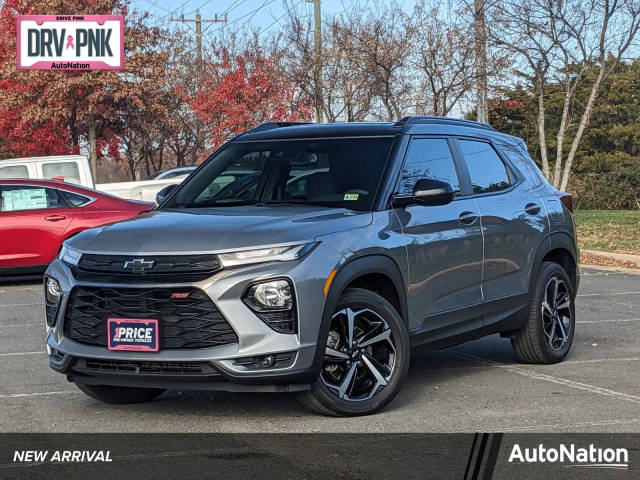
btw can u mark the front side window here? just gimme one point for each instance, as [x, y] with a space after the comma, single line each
[20, 197]
[428, 158]
[340, 173]
[487, 171]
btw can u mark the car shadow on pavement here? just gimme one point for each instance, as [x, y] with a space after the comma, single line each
[429, 371]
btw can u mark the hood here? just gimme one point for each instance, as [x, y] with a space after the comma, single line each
[217, 229]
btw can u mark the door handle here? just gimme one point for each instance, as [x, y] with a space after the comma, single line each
[532, 208]
[54, 218]
[468, 218]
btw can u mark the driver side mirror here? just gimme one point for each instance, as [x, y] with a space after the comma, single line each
[429, 192]
[162, 195]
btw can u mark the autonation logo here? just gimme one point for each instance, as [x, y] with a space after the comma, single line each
[572, 456]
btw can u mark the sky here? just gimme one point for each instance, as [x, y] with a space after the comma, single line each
[265, 15]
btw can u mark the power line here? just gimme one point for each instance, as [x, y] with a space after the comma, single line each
[234, 5]
[198, 21]
[253, 12]
[176, 9]
[196, 9]
[279, 18]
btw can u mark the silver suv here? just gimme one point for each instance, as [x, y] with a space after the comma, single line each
[310, 258]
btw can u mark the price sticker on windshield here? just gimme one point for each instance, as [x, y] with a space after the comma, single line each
[350, 196]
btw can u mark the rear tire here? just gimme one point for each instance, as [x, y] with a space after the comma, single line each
[362, 374]
[120, 395]
[547, 335]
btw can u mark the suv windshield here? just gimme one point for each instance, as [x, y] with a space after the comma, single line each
[341, 173]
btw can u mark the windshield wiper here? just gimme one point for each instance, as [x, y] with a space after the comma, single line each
[289, 202]
[218, 203]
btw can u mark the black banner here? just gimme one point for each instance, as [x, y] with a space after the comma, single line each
[319, 456]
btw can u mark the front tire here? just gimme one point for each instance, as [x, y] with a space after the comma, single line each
[548, 334]
[120, 395]
[366, 358]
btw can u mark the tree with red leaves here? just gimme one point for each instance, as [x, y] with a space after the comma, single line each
[55, 112]
[241, 90]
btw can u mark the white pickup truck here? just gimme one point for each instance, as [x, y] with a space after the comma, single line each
[75, 169]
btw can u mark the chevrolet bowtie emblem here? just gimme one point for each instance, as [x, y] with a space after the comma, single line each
[138, 265]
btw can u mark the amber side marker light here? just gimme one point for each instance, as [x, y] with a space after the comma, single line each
[327, 284]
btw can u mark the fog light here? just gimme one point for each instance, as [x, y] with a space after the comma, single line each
[267, 361]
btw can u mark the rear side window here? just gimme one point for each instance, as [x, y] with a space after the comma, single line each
[19, 197]
[74, 199]
[428, 158]
[14, 171]
[66, 171]
[487, 171]
[525, 165]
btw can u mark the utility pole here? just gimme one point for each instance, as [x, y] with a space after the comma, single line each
[198, 21]
[317, 71]
[481, 60]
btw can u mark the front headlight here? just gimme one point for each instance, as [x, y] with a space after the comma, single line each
[52, 296]
[261, 255]
[70, 256]
[274, 294]
[274, 302]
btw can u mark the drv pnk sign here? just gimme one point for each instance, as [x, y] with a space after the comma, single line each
[70, 42]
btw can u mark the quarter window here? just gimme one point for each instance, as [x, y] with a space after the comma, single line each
[428, 158]
[487, 171]
[526, 166]
[74, 199]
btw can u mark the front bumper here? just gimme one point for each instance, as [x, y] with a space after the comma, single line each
[222, 367]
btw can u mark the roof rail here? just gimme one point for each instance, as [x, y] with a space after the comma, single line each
[271, 125]
[417, 119]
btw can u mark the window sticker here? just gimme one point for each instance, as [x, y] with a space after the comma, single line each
[350, 196]
[27, 199]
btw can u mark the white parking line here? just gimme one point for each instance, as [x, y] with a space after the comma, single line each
[597, 423]
[12, 354]
[606, 294]
[39, 394]
[26, 324]
[557, 380]
[21, 305]
[610, 320]
[602, 360]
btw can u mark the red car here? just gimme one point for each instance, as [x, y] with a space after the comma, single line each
[36, 216]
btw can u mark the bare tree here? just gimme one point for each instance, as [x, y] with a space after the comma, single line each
[619, 21]
[365, 71]
[557, 41]
[533, 31]
[444, 55]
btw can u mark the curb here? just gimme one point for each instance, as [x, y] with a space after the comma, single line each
[625, 257]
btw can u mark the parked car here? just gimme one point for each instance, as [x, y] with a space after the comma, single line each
[357, 242]
[36, 216]
[75, 169]
[173, 173]
[68, 168]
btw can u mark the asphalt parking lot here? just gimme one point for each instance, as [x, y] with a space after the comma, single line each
[478, 386]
